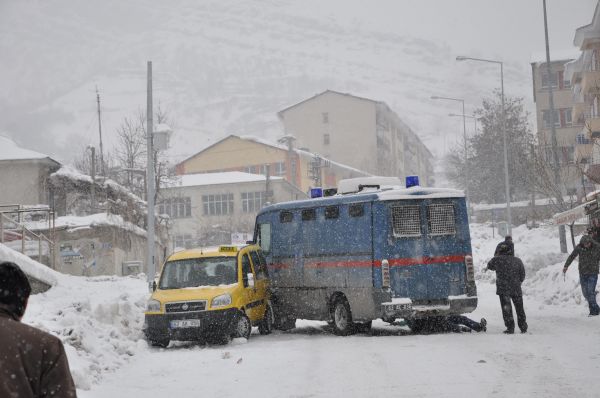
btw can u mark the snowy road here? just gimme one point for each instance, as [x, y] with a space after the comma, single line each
[559, 357]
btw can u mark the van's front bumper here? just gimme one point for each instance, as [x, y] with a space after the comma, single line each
[212, 323]
[407, 308]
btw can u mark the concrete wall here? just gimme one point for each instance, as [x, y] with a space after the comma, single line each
[27, 181]
[100, 250]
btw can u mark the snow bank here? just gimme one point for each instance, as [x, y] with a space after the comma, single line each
[32, 268]
[98, 319]
[540, 251]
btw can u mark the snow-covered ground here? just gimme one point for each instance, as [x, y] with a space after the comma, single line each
[100, 320]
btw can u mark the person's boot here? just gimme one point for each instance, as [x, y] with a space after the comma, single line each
[483, 324]
[509, 331]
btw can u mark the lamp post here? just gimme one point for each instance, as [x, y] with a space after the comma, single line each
[468, 117]
[506, 178]
[435, 97]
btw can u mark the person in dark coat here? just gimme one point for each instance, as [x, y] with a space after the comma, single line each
[507, 241]
[588, 251]
[33, 363]
[510, 274]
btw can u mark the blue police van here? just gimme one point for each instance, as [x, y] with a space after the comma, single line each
[372, 250]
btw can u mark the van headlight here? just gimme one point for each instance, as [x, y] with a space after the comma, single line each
[153, 306]
[221, 301]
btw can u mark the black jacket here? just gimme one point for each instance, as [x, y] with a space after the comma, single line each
[510, 273]
[33, 363]
[588, 257]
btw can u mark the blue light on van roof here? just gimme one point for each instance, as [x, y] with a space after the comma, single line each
[316, 193]
[412, 181]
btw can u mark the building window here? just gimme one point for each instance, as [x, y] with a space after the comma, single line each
[567, 116]
[581, 139]
[217, 205]
[546, 81]
[326, 139]
[309, 215]
[180, 207]
[325, 117]
[185, 241]
[279, 169]
[253, 201]
[546, 117]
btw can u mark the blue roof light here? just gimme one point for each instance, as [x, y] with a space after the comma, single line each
[316, 193]
[412, 181]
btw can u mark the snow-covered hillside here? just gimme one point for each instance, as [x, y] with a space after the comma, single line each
[219, 68]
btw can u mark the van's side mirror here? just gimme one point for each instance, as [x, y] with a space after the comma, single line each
[153, 286]
[250, 280]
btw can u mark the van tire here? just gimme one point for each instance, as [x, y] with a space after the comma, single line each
[341, 317]
[241, 326]
[265, 326]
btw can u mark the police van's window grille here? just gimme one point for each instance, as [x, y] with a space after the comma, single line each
[406, 221]
[441, 219]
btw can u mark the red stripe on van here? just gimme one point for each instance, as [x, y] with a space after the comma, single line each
[279, 266]
[400, 262]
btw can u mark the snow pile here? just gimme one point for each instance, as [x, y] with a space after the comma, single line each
[29, 266]
[540, 251]
[98, 319]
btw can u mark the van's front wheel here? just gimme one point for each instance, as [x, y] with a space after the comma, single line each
[241, 326]
[266, 325]
[342, 317]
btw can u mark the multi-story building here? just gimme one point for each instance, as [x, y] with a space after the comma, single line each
[574, 148]
[584, 73]
[359, 132]
[219, 208]
[253, 155]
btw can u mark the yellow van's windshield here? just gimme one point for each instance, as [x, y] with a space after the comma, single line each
[195, 272]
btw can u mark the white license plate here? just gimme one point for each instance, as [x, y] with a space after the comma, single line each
[401, 307]
[185, 323]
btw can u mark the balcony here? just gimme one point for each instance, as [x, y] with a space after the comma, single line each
[593, 126]
[590, 83]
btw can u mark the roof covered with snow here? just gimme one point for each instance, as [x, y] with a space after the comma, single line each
[9, 150]
[567, 54]
[229, 177]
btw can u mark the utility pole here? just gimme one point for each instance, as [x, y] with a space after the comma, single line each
[93, 175]
[100, 133]
[150, 182]
[562, 236]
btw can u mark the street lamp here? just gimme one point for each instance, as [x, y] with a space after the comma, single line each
[468, 117]
[506, 178]
[435, 97]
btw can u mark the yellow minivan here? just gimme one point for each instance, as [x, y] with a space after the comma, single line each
[212, 294]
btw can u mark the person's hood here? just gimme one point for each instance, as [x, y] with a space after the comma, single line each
[585, 240]
[6, 312]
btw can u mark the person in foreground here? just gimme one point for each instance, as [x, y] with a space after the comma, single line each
[510, 274]
[589, 256]
[33, 363]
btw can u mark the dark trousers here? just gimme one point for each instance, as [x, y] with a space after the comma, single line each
[507, 314]
[457, 320]
[588, 288]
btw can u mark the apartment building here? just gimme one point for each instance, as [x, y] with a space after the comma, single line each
[358, 132]
[219, 208]
[574, 148]
[248, 154]
[584, 73]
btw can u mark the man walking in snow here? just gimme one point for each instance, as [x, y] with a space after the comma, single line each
[510, 274]
[33, 363]
[588, 251]
[507, 241]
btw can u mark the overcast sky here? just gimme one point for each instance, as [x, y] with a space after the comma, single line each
[508, 30]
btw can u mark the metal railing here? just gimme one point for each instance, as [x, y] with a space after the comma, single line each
[15, 235]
